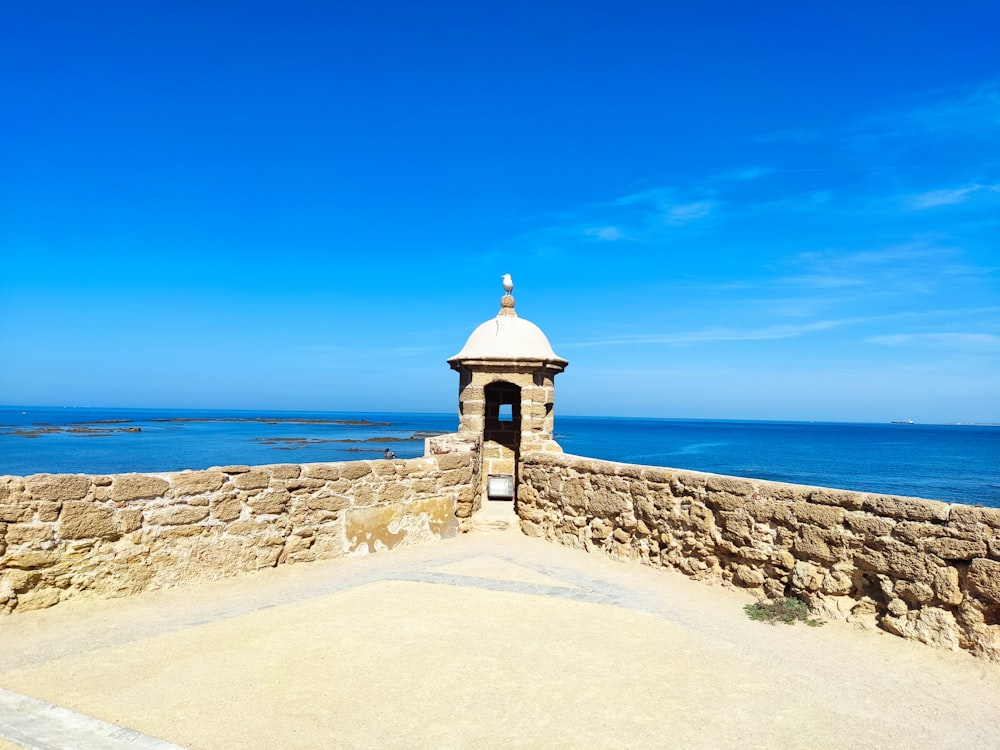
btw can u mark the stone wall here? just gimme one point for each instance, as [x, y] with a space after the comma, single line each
[920, 569]
[66, 535]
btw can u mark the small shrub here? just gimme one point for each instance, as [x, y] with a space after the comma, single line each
[788, 610]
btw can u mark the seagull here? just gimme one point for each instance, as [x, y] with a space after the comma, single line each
[389, 455]
[508, 283]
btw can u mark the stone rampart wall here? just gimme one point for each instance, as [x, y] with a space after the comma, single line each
[920, 569]
[64, 535]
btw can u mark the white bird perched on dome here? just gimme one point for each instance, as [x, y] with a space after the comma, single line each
[508, 283]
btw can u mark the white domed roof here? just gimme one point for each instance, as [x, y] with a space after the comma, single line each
[508, 337]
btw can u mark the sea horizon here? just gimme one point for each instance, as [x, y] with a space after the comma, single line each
[957, 423]
[954, 463]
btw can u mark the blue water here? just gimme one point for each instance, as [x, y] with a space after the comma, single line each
[956, 463]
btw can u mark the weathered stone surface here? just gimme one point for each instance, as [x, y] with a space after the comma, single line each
[16, 513]
[450, 461]
[868, 524]
[285, 471]
[226, 508]
[956, 549]
[57, 487]
[235, 469]
[840, 547]
[848, 500]
[323, 471]
[728, 485]
[813, 543]
[176, 515]
[28, 533]
[908, 508]
[749, 577]
[80, 519]
[29, 559]
[129, 487]
[914, 591]
[271, 502]
[38, 599]
[607, 504]
[20, 581]
[255, 479]
[826, 516]
[47, 511]
[984, 579]
[331, 503]
[931, 625]
[196, 482]
[128, 520]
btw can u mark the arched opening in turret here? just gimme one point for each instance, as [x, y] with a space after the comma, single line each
[502, 434]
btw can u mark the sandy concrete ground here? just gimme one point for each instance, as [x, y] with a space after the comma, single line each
[490, 640]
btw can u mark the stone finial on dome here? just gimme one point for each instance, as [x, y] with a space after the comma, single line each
[507, 301]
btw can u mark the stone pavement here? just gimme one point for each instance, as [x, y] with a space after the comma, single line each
[488, 640]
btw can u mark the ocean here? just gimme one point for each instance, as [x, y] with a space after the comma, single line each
[955, 463]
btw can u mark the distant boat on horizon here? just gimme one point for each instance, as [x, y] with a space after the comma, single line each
[902, 421]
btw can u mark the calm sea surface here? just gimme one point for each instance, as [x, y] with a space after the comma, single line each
[956, 463]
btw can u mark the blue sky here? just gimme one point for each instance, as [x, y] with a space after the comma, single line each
[714, 210]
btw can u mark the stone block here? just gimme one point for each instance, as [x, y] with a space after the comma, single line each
[904, 562]
[285, 471]
[869, 525]
[137, 487]
[303, 486]
[451, 461]
[29, 559]
[806, 576]
[956, 549]
[914, 591]
[128, 520]
[729, 485]
[984, 579]
[841, 498]
[47, 511]
[390, 493]
[225, 508]
[80, 519]
[37, 599]
[748, 577]
[906, 508]
[332, 503]
[16, 513]
[269, 502]
[20, 581]
[826, 516]
[255, 479]
[28, 533]
[176, 515]
[725, 501]
[57, 487]
[190, 483]
[321, 471]
[607, 504]
[355, 470]
[235, 469]
[813, 543]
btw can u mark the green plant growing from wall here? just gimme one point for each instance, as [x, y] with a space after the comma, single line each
[788, 610]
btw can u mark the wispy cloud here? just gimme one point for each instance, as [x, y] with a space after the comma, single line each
[687, 212]
[711, 335]
[949, 196]
[987, 342]
[743, 174]
[609, 234]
